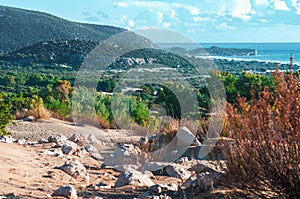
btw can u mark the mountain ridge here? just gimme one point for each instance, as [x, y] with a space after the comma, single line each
[20, 28]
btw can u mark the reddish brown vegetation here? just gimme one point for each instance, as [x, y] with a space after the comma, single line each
[265, 158]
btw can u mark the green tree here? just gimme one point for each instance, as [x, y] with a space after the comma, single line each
[6, 115]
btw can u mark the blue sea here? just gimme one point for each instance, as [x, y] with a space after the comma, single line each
[266, 52]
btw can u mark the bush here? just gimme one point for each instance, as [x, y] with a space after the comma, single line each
[6, 115]
[38, 110]
[265, 158]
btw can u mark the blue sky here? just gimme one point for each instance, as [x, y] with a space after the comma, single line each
[200, 20]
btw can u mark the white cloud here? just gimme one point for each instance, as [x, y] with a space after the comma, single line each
[160, 16]
[167, 24]
[280, 5]
[130, 23]
[225, 26]
[243, 10]
[123, 17]
[120, 4]
[193, 10]
[264, 21]
[262, 2]
[201, 19]
[173, 14]
[296, 5]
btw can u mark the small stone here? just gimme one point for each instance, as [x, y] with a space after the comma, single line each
[21, 141]
[29, 119]
[101, 185]
[76, 137]
[67, 191]
[159, 188]
[42, 141]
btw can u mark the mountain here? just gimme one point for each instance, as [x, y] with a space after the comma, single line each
[20, 28]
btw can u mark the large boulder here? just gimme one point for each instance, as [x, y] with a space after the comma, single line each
[67, 191]
[75, 169]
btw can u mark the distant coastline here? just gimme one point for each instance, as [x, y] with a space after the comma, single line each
[266, 52]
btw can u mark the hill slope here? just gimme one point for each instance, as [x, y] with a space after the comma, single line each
[20, 28]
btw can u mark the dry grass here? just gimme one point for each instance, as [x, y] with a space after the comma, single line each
[40, 112]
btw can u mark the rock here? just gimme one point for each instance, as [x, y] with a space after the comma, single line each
[7, 139]
[124, 154]
[59, 139]
[159, 188]
[182, 160]
[71, 148]
[92, 139]
[177, 172]
[147, 196]
[185, 137]
[29, 119]
[42, 141]
[96, 156]
[21, 141]
[75, 169]
[91, 149]
[67, 191]
[76, 137]
[101, 185]
[55, 152]
[206, 181]
[190, 183]
[136, 178]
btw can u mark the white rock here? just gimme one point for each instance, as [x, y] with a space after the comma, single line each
[75, 169]
[21, 141]
[67, 191]
[59, 139]
[91, 149]
[7, 139]
[135, 178]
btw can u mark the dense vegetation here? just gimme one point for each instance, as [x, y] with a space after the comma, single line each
[265, 157]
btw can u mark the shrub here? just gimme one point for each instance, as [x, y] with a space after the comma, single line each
[6, 115]
[38, 110]
[265, 158]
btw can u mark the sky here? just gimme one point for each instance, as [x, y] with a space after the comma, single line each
[199, 20]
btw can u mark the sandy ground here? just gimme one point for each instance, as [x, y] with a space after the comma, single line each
[27, 172]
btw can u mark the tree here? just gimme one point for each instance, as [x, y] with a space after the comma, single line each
[6, 115]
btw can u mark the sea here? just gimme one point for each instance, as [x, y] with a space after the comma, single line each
[266, 52]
